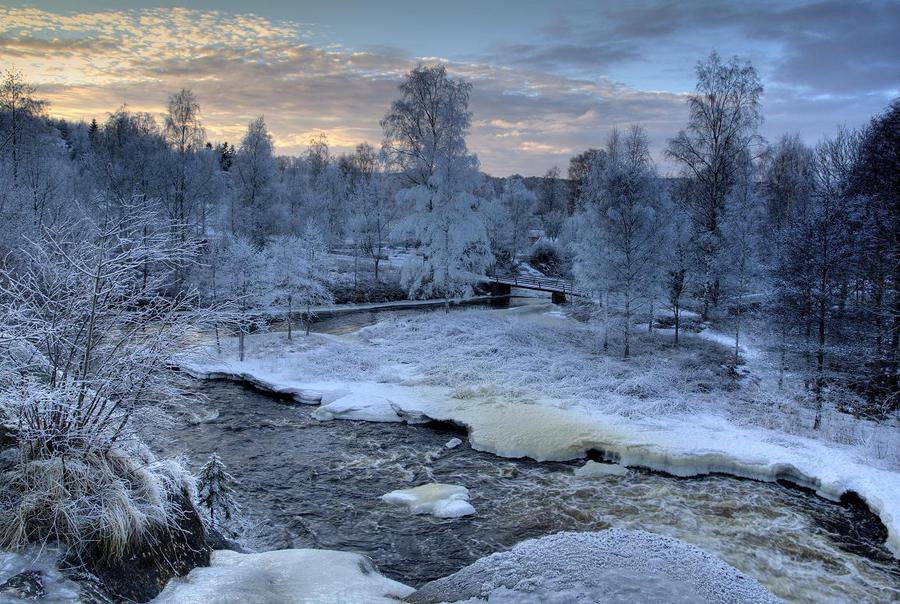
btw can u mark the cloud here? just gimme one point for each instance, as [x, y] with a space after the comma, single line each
[534, 104]
[88, 64]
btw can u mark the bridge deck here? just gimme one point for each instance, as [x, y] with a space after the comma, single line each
[546, 284]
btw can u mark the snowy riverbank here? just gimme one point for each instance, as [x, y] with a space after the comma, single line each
[526, 383]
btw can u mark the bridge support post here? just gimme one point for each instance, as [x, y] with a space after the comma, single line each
[558, 297]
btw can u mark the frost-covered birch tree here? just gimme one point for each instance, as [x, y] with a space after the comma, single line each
[299, 274]
[424, 138]
[244, 279]
[520, 203]
[741, 234]
[254, 173]
[619, 229]
[722, 126]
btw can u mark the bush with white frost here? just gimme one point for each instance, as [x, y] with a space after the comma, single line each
[87, 327]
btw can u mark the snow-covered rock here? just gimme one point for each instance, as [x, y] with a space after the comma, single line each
[592, 469]
[292, 576]
[439, 500]
[453, 443]
[617, 566]
[34, 572]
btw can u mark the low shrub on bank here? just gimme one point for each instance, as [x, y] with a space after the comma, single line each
[82, 479]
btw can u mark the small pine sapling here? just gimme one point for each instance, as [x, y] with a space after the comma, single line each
[215, 490]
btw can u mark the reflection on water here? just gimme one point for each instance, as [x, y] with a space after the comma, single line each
[310, 484]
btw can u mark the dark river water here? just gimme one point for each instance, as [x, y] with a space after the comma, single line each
[306, 483]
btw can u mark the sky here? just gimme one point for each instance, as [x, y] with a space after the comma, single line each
[550, 78]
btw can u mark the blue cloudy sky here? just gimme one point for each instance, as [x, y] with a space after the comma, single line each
[551, 78]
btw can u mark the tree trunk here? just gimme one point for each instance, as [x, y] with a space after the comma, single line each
[606, 321]
[677, 322]
[308, 317]
[781, 366]
[627, 323]
[241, 344]
[820, 366]
[289, 315]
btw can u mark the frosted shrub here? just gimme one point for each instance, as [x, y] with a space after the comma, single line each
[77, 483]
[88, 325]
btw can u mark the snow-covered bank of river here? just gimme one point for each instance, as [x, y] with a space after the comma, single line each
[307, 483]
[528, 384]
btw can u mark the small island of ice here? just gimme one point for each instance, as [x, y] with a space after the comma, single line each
[439, 500]
[616, 566]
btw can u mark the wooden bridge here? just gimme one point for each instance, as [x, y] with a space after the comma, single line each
[501, 285]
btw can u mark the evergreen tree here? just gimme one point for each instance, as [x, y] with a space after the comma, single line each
[215, 490]
[93, 129]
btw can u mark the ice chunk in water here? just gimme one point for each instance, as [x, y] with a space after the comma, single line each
[453, 443]
[592, 469]
[439, 500]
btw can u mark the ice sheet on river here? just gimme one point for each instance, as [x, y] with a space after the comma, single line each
[292, 576]
[616, 566]
[439, 500]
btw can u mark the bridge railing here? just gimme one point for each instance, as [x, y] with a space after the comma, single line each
[544, 283]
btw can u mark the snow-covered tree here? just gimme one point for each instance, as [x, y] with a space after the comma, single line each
[299, 273]
[551, 202]
[254, 171]
[520, 202]
[243, 279]
[375, 214]
[496, 219]
[424, 137]
[741, 230]
[185, 135]
[619, 229]
[215, 491]
[724, 118]
[676, 265]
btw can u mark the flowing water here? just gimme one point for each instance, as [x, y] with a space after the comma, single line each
[305, 483]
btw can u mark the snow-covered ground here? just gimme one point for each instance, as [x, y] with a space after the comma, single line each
[439, 500]
[615, 567]
[526, 383]
[293, 576]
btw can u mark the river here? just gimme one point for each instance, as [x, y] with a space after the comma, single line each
[305, 483]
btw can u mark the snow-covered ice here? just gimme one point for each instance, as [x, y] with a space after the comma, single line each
[592, 469]
[439, 500]
[453, 443]
[616, 566]
[526, 385]
[292, 576]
